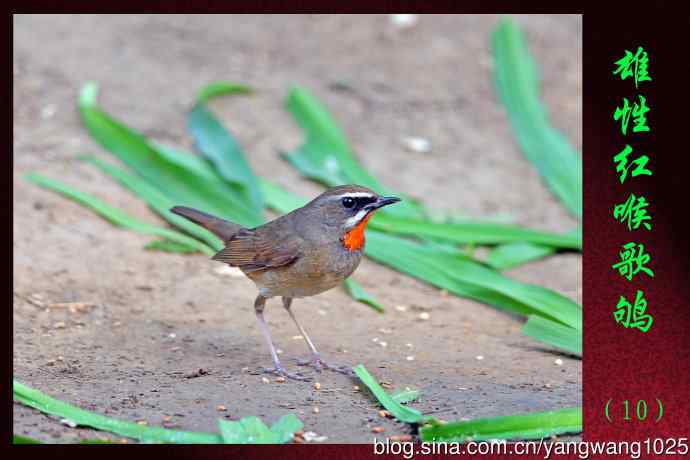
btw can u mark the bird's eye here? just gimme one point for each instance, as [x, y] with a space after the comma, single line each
[348, 202]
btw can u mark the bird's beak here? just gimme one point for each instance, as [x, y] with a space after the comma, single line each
[383, 201]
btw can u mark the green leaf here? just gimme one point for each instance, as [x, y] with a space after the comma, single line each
[116, 216]
[196, 187]
[513, 254]
[286, 426]
[221, 88]
[158, 201]
[169, 246]
[219, 147]
[326, 156]
[44, 403]
[474, 232]
[397, 410]
[556, 334]
[452, 270]
[358, 293]
[248, 430]
[17, 439]
[530, 426]
[548, 150]
[405, 395]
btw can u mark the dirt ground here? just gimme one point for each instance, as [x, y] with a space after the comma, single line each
[159, 318]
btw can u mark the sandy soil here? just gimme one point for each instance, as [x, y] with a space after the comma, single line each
[159, 318]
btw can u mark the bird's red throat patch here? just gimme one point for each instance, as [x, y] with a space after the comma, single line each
[354, 239]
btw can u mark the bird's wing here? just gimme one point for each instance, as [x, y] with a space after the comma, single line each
[252, 251]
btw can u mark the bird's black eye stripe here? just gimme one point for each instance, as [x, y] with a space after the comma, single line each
[348, 202]
[357, 202]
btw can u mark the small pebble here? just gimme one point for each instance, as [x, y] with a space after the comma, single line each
[59, 325]
[142, 422]
[559, 362]
[410, 358]
[404, 21]
[378, 429]
[424, 316]
[316, 409]
[69, 423]
[480, 357]
[321, 312]
[172, 335]
[401, 307]
[317, 386]
[401, 438]
[280, 380]
[384, 330]
[279, 351]
[416, 144]
[408, 345]
[384, 413]
[383, 344]
[265, 380]
[355, 388]
[221, 408]
[297, 337]
[167, 418]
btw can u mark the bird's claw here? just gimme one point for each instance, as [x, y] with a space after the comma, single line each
[318, 365]
[281, 372]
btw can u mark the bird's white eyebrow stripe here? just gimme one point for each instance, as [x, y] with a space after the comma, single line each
[354, 195]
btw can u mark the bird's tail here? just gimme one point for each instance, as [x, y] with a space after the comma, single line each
[223, 229]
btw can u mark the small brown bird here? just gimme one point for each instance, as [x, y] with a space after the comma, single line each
[303, 253]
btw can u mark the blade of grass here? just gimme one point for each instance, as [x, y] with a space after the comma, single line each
[116, 216]
[286, 426]
[326, 156]
[17, 439]
[247, 430]
[219, 147]
[221, 88]
[555, 334]
[511, 255]
[397, 410]
[529, 426]
[38, 400]
[474, 232]
[548, 150]
[459, 274]
[358, 293]
[183, 185]
[166, 245]
[158, 201]
[406, 395]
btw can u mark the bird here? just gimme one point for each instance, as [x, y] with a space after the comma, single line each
[303, 253]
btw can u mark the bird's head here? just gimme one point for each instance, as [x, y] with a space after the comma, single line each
[346, 210]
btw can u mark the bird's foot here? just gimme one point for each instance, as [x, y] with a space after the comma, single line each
[319, 364]
[281, 372]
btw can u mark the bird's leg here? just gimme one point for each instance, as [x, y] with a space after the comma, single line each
[278, 368]
[316, 362]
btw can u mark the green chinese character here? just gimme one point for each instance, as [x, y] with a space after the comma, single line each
[637, 111]
[634, 66]
[622, 167]
[630, 316]
[633, 212]
[633, 260]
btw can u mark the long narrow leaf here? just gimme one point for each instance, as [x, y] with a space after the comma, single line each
[221, 88]
[159, 202]
[556, 334]
[45, 403]
[474, 232]
[529, 426]
[183, 185]
[397, 410]
[219, 147]
[513, 254]
[518, 88]
[116, 216]
[326, 156]
[358, 293]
